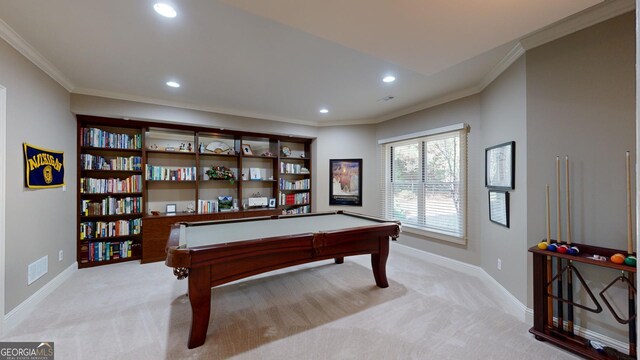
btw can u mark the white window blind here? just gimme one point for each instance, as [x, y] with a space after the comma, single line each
[424, 183]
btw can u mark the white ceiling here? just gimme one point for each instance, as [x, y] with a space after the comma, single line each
[281, 59]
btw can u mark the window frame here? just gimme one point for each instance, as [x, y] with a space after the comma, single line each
[422, 137]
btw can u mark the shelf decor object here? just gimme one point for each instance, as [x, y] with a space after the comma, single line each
[221, 173]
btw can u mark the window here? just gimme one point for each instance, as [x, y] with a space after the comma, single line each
[424, 182]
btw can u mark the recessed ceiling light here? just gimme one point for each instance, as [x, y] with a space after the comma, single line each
[165, 10]
[173, 84]
[324, 111]
[389, 78]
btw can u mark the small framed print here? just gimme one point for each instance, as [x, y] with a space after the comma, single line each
[255, 174]
[272, 202]
[246, 149]
[171, 208]
[500, 164]
[499, 207]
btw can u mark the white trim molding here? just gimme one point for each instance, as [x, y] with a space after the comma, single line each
[3, 199]
[20, 312]
[28, 51]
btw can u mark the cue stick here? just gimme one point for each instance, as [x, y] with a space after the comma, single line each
[549, 275]
[632, 307]
[558, 241]
[569, 271]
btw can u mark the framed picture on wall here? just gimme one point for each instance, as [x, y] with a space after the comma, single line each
[500, 165]
[499, 207]
[345, 182]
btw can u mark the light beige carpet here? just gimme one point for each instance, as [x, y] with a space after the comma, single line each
[315, 311]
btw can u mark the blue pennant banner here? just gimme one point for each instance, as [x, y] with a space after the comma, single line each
[43, 168]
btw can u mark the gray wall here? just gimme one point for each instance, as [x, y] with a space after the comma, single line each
[503, 114]
[38, 222]
[348, 142]
[581, 102]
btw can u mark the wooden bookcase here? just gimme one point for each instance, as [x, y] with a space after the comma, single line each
[110, 189]
[173, 162]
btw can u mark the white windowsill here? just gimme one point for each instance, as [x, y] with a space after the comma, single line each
[434, 235]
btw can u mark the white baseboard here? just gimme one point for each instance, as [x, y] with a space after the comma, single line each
[20, 312]
[510, 303]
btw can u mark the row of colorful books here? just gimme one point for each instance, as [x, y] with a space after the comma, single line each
[105, 139]
[207, 206]
[290, 168]
[132, 184]
[294, 199]
[304, 184]
[112, 206]
[170, 174]
[97, 162]
[300, 210]
[102, 229]
[105, 250]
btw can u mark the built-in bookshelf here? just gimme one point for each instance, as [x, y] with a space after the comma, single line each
[110, 187]
[137, 178]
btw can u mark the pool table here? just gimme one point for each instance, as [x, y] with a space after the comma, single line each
[212, 253]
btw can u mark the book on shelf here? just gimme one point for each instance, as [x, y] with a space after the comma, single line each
[101, 229]
[291, 168]
[111, 206]
[303, 184]
[164, 173]
[104, 139]
[294, 199]
[97, 162]
[132, 184]
[105, 251]
[207, 206]
[300, 210]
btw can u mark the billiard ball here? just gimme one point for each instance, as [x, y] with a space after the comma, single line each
[542, 245]
[617, 258]
[630, 260]
[562, 249]
[552, 247]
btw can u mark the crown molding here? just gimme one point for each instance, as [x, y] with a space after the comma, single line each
[511, 57]
[24, 48]
[604, 11]
[189, 106]
[596, 14]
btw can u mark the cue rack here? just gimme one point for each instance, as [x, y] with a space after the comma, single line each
[558, 332]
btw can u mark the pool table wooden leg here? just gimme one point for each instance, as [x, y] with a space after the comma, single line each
[200, 298]
[379, 263]
[339, 260]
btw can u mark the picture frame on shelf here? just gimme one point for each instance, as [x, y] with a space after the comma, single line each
[499, 207]
[246, 149]
[171, 209]
[345, 182]
[255, 174]
[500, 164]
[272, 203]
